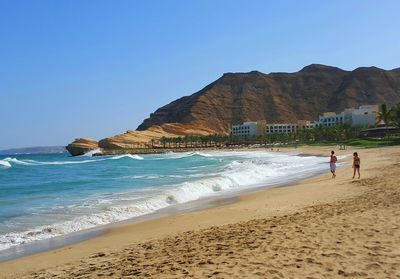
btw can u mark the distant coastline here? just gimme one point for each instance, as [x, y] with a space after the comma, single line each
[34, 150]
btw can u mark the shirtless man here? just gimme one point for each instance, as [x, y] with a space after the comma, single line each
[332, 164]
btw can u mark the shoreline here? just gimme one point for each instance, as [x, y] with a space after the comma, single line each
[272, 203]
[231, 196]
[59, 242]
[161, 150]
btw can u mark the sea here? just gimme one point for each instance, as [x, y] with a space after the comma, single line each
[43, 196]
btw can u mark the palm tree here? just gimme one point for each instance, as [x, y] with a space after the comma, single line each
[179, 140]
[383, 115]
[395, 115]
[163, 141]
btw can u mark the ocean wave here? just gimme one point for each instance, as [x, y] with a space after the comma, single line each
[181, 155]
[341, 157]
[160, 176]
[131, 156]
[238, 175]
[10, 160]
[28, 162]
[7, 161]
[5, 164]
[92, 152]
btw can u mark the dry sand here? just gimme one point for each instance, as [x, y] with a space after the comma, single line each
[319, 228]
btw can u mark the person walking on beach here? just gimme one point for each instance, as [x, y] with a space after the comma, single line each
[356, 164]
[332, 164]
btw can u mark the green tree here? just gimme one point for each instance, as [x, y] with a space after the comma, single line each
[383, 115]
[395, 115]
[163, 141]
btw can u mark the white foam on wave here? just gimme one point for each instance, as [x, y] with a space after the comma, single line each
[180, 155]
[131, 156]
[92, 152]
[7, 161]
[341, 157]
[238, 175]
[158, 176]
[28, 162]
[10, 160]
[5, 164]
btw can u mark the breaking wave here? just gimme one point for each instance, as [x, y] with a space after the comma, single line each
[92, 152]
[237, 175]
[5, 164]
[8, 162]
[131, 156]
[181, 155]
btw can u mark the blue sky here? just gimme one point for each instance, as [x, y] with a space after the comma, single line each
[97, 68]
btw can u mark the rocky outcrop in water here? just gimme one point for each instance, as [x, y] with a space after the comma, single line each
[81, 146]
[137, 139]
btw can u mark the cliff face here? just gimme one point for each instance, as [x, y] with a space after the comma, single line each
[132, 139]
[279, 97]
[81, 145]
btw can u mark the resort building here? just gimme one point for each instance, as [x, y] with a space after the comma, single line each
[362, 116]
[328, 119]
[261, 127]
[305, 125]
[247, 129]
[289, 127]
[281, 128]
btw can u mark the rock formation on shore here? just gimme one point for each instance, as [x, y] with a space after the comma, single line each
[279, 97]
[134, 139]
[81, 146]
[275, 97]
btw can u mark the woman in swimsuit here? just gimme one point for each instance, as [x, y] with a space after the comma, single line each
[356, 164]
[332, 164]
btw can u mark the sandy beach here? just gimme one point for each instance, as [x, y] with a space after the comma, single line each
[318, 228]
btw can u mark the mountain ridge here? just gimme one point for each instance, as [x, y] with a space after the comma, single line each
[275, 97]
[237, 97]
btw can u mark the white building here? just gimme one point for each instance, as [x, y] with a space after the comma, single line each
[261, 127]
[281, 128]
[290, 127]
[328, 119]
[364, 116]
[305, 125]
[247, 129]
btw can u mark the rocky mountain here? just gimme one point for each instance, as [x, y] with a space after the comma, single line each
[279, 97]
[275, 97]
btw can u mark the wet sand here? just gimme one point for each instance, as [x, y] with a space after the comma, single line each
[318, 228]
